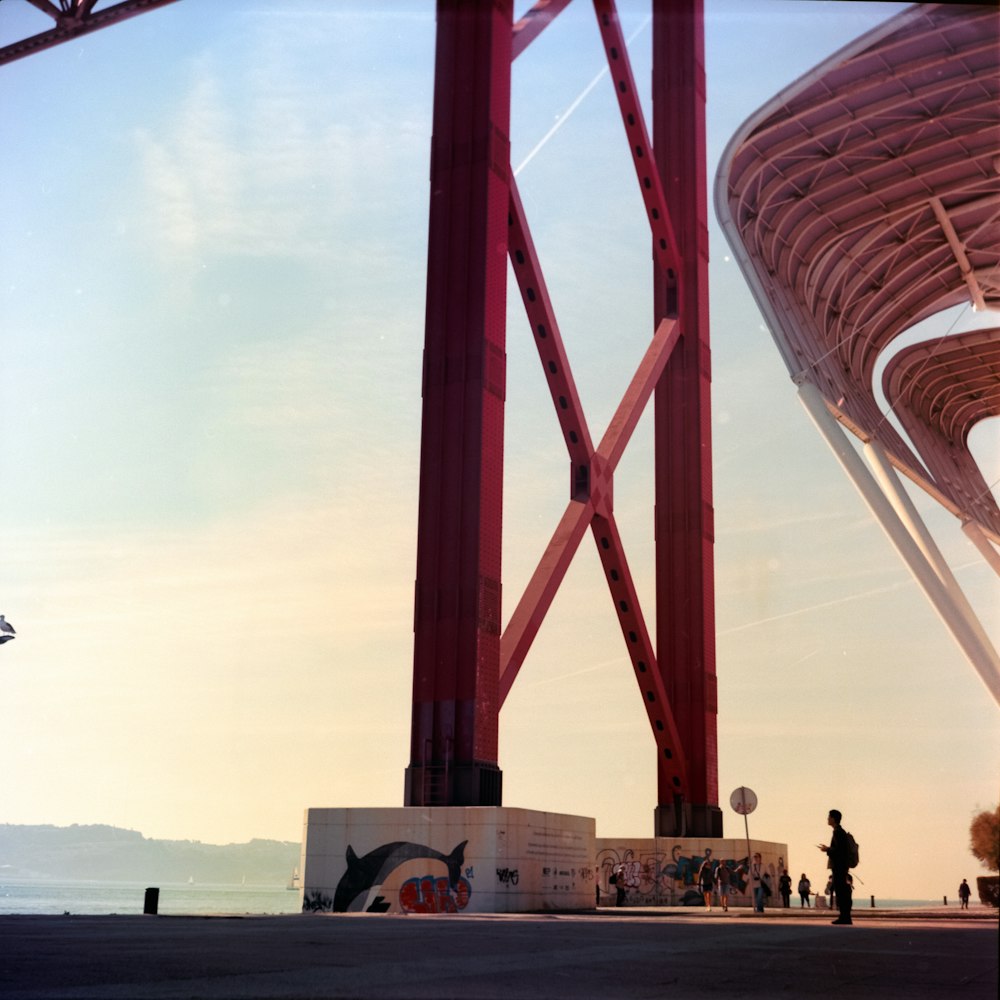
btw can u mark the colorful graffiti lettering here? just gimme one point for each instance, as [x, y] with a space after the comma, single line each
[630, 874]
[434, 894]
[686, 869]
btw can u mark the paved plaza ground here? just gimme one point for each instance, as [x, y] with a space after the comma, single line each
[637, 954]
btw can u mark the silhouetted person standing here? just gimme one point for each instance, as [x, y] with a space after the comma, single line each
[757, 885]
[805, 889]
[837, 854]
[620, 886]
[785, 888]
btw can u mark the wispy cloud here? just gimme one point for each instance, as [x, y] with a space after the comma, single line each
[262, 170]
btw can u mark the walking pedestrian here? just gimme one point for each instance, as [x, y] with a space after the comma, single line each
[705, 880]
[964, 892]
[722, 880]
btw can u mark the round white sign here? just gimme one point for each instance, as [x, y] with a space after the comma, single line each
[743, 801]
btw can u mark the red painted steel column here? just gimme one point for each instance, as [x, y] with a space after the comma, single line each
[685, 533]
[456, 660]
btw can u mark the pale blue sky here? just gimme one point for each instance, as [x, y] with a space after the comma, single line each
[212, 295]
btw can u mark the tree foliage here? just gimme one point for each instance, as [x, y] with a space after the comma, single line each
[984, 838]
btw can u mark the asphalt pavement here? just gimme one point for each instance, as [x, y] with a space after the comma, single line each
[609, 954]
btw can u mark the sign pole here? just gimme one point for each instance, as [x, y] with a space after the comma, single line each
[744, 801]
[746, 823]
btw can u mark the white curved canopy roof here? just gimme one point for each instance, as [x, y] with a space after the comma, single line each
[866, 198]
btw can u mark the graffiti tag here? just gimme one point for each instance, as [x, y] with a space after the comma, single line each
[434, 894]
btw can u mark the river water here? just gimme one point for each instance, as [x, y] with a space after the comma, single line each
[185, 899]
[24, 896]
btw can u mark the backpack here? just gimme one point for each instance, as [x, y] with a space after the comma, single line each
[853, 851]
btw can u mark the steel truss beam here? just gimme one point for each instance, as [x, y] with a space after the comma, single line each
[74, 18]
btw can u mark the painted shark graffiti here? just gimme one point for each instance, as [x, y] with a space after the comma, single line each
[366, 874]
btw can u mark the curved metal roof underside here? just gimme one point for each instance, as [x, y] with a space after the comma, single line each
[940, 390]
[866, 198]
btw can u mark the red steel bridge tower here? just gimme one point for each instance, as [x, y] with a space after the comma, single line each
[464, 664]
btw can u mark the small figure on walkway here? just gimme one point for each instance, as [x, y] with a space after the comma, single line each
[785, 888]
[805, 890]
[757, 886]
[964, 892]
[838, 858]
[722, 879]
[705, 880]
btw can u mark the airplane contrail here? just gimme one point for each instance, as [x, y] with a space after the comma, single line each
[830, 604]
[575, 673]
[816, 607]
[576, 103]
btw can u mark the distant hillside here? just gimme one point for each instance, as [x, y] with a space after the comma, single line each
[108, 853]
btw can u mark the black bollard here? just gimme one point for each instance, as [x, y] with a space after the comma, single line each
[151, 901]
[873, 902]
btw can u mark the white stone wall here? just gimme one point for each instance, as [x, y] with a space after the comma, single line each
[413, 860]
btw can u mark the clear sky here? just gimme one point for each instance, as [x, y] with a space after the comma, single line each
[213, 257]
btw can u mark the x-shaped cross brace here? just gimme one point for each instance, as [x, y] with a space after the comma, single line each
[591, 501]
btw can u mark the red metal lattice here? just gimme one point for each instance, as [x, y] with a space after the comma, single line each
[679, 279]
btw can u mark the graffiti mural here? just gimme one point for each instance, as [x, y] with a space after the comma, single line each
[654, 878]
[366, 875]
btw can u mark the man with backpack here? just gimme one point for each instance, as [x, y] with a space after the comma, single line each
[841, 856]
